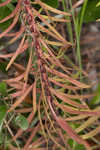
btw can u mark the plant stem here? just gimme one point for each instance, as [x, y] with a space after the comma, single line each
[77, 38]
[69, 27]
[82, 16]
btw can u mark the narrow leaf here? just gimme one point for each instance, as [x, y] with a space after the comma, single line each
[3, 110]
[21, 99]
[3, 88]
[34, 97]
[64, 125]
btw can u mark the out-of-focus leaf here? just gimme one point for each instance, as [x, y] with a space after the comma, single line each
[22, 122]
[10, 5]
[1, 138]
[14, 1]
[98, 4]
[96, 98]
[79, 147]
[3, 110]
[53, 3]
[76, 146]
[4, 11]
[3, 88]
[92, 12]
[3, 66]
[70, 142]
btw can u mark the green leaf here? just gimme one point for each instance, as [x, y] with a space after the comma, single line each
[9, 5]
[3, 66]
[96, 98]
[22, 122]
[4, 11]
[14, 1]
[92, 12]
[75, 146]
[52, 3]
[98, 4]
[79, 147]
[1, 138]
[3, 88]
[3, 110]
[70, 142]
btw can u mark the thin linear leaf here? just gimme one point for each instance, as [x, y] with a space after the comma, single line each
[3, 111]
[34, 97]
[21, 99]
[91, 133]
[64, 125]
[73, 81]
[3, 88]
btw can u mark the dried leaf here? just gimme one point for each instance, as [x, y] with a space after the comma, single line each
[21, 99]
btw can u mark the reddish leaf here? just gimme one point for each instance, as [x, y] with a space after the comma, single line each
[64, 125]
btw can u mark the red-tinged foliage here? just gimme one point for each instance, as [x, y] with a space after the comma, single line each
[31, 137]
[64, 125]
[52, 99]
